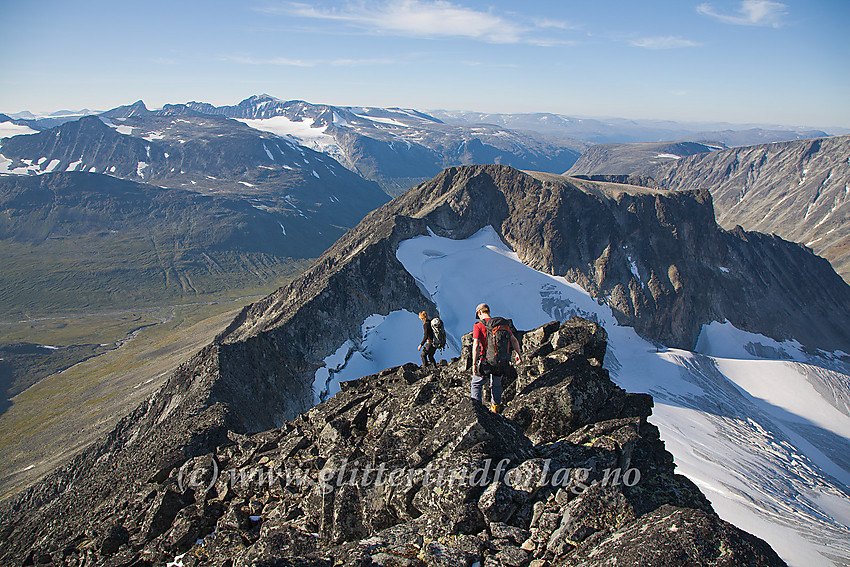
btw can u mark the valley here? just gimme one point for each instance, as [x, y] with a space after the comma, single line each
[58, 408]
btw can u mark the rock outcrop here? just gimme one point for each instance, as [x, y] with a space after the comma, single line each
[403, 468]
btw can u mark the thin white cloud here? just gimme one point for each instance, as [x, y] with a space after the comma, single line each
[428, 19]
[281, 61]
[555, 24]
[750, 13]
[361, 62]
[666, 42]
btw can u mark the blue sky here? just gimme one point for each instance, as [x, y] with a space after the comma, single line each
[753, 61]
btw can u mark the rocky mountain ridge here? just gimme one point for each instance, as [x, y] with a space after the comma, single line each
[462, 485]
[798, 190]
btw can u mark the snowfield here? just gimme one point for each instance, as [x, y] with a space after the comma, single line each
[9, 129]
[760, 426]
[303, 132]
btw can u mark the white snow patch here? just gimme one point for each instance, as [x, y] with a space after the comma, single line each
[316, 175]
[246, 184]
[385, 341]
[75, 165]
[126, 130]
[282, 229]
[723, 269]
[339, 121]
[389, 121]
[152, 136]
[268, 153]
[303, 132]
[671, 156]
[140, 169]
[9, 129]
[54, 163]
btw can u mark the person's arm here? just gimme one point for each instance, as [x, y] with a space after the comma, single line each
[475, 347]
[425, 327]
[515, 344]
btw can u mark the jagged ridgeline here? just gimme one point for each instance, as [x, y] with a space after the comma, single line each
[656, 257]
[403, 468]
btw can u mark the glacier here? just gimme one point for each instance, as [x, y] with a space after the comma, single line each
[761, 426]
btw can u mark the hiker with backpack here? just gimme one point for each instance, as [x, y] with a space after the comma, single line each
[433, 337]
[492, 342]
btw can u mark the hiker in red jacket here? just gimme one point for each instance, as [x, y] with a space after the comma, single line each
[492, 341]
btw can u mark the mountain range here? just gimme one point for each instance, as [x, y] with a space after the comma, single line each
[234, 205]
[650, 261]
[634, 158]
[620, 130]
[740, 337]
[397, 147]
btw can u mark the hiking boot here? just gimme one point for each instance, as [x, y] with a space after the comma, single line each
[496, 408]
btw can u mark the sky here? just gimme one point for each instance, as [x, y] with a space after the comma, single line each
[740, 61]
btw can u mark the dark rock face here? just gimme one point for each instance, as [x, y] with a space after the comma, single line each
[700, 539]
[403, 468]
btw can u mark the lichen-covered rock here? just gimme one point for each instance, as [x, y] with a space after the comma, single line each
[670, 537]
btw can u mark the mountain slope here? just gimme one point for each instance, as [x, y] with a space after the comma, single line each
[397, 147]
[83, 240]
[617, 241]
[798, 190]
[474, 486]
[627, 159]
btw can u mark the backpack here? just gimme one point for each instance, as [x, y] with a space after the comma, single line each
[439, 333]
[498, 341]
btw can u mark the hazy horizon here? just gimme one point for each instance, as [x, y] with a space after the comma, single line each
[733, 61]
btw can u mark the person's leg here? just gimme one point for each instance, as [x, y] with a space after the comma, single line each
[496, 389]
[431, 356]
[476, 386]
[423, 354]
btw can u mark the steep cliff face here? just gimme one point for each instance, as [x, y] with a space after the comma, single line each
[798, 190]
[403, 467]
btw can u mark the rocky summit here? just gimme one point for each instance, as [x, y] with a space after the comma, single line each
[403, 468]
